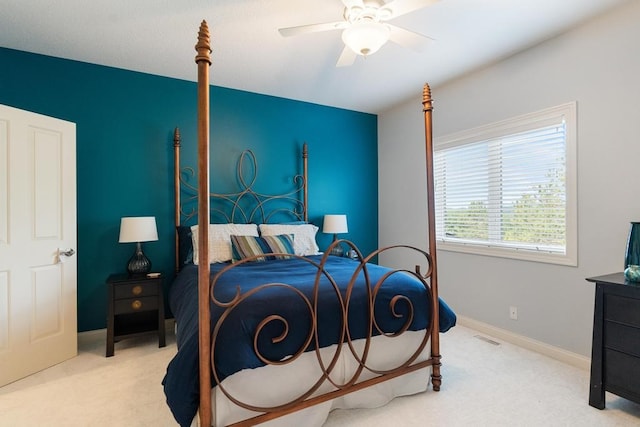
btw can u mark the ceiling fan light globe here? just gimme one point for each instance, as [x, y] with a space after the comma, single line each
[366, 38]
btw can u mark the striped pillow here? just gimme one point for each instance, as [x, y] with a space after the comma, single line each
[247, 246]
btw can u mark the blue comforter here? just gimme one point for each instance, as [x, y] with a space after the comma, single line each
[181, 384]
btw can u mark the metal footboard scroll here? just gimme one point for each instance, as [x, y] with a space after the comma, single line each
[325, 387]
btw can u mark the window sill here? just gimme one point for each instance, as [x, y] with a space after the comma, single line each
[519, 254]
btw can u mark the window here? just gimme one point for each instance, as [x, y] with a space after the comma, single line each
[509, 189]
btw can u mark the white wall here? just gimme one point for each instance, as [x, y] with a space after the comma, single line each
[597, 65]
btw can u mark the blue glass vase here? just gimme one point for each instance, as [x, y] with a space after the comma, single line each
[632, 273]
[632, 256]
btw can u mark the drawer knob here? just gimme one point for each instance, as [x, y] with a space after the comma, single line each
[136, 290]
[136, 305]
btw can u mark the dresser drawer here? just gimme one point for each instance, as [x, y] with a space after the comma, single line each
[134, 305]
[622, 310]
[135, 290]
[622, 371]
[626, 339]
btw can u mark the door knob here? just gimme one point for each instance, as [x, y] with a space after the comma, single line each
[66, 252]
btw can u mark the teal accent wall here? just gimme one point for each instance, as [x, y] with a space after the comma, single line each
[125, 123]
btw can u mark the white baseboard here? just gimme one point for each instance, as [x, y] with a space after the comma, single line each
[93, 332]
[557, 353]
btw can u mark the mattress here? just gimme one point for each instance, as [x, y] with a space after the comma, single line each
[274, 385]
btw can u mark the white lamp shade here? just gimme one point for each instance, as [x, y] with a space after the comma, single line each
[335, 224]
[138, 229]
[365, 38]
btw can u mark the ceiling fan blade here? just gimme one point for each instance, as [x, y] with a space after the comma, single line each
[402, 7]
[312, 28]
[406, 38]
[347, 57]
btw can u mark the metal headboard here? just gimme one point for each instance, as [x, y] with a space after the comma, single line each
[244, 206]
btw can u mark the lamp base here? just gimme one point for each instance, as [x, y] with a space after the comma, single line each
[139, 264]
[337, 249]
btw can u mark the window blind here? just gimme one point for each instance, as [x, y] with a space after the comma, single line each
[506, 191]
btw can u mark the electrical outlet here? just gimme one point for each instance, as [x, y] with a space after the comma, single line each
[513, 313]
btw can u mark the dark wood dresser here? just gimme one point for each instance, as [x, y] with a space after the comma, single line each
[136, 305]
[615, 354]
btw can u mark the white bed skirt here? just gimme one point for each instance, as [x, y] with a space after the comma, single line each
[275, 385]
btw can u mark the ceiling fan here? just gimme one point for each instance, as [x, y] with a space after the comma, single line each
[365, 28]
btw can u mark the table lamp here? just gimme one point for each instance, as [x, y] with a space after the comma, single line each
[137, 230]
[335, 224]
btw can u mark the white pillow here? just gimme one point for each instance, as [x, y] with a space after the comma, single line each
[304, 236]
[220, 240]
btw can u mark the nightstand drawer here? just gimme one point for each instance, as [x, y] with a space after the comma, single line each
[135, 290]
[623, 338]
[134, 305]
[622, 310]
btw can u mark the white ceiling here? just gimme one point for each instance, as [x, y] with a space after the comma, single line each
[158, 37]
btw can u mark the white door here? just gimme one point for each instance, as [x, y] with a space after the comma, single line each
[38, 324]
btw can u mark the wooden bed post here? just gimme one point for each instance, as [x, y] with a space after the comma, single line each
[203, 59]
[305, 174]
[176, 191]
[427, 108]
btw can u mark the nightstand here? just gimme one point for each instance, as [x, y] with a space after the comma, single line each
[135, 306]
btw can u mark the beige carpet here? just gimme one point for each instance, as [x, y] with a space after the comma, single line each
[483, 385]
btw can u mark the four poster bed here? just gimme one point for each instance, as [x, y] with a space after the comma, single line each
[276, 331]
